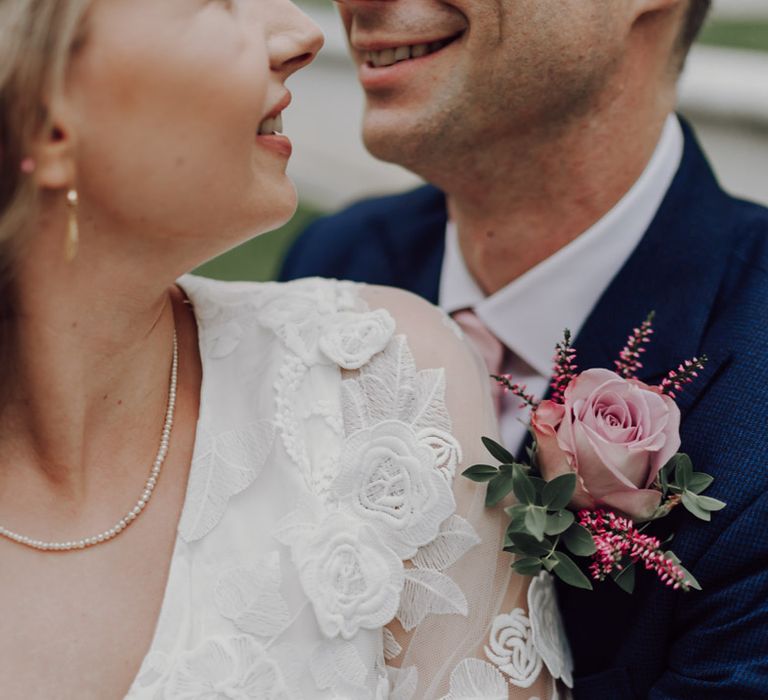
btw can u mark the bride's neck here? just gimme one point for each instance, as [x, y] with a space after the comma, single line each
[90, 360]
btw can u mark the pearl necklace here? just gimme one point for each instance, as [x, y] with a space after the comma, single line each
[149, 486]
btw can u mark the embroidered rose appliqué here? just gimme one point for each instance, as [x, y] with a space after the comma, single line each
[388, 478]
[548, 631]
[511, 648]
[354, 338]
[352, 578]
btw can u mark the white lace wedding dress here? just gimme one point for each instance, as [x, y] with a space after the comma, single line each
[327, 547]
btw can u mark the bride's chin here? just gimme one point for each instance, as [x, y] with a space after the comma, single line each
[281, 213]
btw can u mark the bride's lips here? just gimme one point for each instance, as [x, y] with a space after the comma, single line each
[276, 142]
[374, 77]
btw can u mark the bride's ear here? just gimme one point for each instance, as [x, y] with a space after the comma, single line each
[54, 149]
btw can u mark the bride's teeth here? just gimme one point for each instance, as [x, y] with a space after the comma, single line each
[419, 50]
[271, 126]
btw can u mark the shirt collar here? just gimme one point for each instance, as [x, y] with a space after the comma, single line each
[530, 314]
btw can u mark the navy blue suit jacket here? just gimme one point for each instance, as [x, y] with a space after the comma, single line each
[703, 266]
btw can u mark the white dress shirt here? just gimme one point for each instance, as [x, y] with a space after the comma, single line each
[531, 312]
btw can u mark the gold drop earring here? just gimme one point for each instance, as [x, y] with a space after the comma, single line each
[73, 231]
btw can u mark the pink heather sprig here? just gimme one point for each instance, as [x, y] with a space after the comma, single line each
[629, 358]
[684, 374]
[617, 538]
[519, 390]
[565, 368]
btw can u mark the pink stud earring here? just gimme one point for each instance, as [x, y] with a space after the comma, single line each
[28, 166]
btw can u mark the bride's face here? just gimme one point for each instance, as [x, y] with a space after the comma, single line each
[166, 100]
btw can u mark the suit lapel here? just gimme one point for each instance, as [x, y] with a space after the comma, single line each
[676, 271]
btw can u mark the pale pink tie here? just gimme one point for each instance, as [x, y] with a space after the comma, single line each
[487, 344]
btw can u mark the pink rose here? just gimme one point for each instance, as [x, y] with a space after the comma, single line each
[616, 434]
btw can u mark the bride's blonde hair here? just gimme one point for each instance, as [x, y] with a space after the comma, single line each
[37, 38]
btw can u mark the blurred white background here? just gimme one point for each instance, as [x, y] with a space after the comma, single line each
[724, 92]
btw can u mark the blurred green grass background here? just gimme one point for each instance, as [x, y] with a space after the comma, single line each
[260, 258]
[737, 34]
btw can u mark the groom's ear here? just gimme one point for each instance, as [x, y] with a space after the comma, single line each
[657, 25]
[643, 7]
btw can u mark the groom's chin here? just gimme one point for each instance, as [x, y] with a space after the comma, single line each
[414, 144]
[395, 137]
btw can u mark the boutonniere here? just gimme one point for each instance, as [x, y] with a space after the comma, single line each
[604, 464]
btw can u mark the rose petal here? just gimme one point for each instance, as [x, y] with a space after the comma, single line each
[598, 477]
[552, 459]
[638, 504]
[587, 382]
[548, 416]
[672, 444]
[629, 465]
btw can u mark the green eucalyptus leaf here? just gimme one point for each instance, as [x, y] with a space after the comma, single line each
[625, 578]
[538, 484]
[481, 473]
[497, 451]
[691, 502]
[522, 486]
[517, 518]
[699, 482]
[664, 480]
[530, 566]
[558, 493]
[549, 564]
[529, 545]
[498, 487]
[683, 470]
[690, 578]
[536, 522]
[568, 572]
[559, 522]
[579, 541]
[710, 504]
[516, 510]
[671, 464]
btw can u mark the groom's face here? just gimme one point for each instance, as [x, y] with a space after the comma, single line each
[444, 78]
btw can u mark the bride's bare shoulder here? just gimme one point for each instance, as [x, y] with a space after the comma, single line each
[433, 337]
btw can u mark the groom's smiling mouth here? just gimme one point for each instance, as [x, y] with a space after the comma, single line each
[396, 54]
[385, 63]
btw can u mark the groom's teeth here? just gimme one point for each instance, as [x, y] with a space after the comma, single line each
[271, 126]
[388, 57]
[402, 53]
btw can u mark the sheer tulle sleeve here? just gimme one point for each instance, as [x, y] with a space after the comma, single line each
[468, 626]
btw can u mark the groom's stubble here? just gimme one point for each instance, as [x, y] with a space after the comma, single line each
[520, 71]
